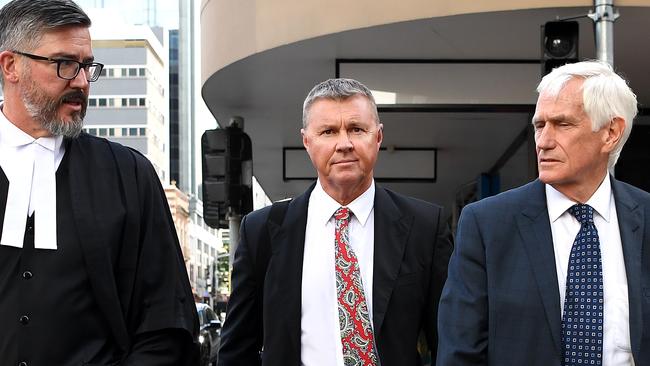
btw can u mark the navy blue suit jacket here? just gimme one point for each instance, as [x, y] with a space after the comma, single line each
[501, 303]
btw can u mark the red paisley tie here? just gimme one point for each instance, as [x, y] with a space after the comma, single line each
[354, 320]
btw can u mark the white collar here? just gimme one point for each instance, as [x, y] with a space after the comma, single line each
[12, 136]
[323, 206]
[30, 167]
[558, 203]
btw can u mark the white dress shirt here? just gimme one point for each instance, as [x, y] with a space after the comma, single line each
[320, 332]
[30, 166]
[564, 228]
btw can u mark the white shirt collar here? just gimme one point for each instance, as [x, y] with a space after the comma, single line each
[323, 207]
[558, 203]
[30, 166]
[12, 136]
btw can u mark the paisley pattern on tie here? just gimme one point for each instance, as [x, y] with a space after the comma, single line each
[582, 322]
[356, 331]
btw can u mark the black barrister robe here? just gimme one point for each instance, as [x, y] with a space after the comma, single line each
[138, 281]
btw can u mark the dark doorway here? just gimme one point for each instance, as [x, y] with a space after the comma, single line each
[634, 163]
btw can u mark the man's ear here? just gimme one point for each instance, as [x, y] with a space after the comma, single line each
[614, 133]
[305, 139]
[9, 67]
[380, 133]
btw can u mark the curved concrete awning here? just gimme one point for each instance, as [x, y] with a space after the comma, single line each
[260, 58]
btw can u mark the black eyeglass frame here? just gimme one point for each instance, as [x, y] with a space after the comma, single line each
[59, 61]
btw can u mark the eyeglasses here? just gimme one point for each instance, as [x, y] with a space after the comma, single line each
[69, 69]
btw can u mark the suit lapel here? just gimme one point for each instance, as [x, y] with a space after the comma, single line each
[283, 287]
[630, 222]
[391, 234]
[535, 230]
[4, 190]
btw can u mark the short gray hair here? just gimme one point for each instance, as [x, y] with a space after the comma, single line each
[23, 22]
[605, 95]
[337, 89]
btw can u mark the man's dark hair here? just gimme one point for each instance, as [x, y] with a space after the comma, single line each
[23, 22]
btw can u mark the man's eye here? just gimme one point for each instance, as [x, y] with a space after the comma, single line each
[356, 130]
[67, 63]
[327, 132]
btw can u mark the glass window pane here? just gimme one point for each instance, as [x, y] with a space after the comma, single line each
[133, 71]
[142, 71]
[125, 132]
[143, 131]
[124, 71]
[111, 132]
[102, 102]
[141, 102]
[133, 102]
[92, 131]
[103, 132]
[125, 102]
[133, 132]
[111, 102]
[92, 102]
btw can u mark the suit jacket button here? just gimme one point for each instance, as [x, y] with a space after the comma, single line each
[27, 275]
[24, 320]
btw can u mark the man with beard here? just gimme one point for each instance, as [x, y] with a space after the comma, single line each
[91, 272]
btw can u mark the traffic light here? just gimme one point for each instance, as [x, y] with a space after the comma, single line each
[559, 44]
[227, 174]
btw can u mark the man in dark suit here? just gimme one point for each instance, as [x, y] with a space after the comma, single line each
[350, 273]
[557, 272]
[91, 271]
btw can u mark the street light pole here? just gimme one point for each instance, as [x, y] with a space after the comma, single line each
[234, 220]
[604, 16]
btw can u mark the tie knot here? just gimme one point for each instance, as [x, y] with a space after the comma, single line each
[583, 213]
[343, 213]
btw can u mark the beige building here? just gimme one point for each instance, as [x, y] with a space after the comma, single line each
[179, 205]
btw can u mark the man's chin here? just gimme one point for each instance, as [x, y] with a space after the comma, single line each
[70, 128]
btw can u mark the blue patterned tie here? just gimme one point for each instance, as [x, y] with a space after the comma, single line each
[582, 322]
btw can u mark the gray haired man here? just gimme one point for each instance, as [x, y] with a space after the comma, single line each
[348, 273]
[91, 271]
[557, 272]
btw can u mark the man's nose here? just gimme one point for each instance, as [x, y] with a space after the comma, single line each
[545, 138]
[80, 81]
[344, 143]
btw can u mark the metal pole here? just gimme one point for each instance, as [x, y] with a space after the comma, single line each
[604, 16]
[233, 227]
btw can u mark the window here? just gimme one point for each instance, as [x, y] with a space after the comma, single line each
[111, 132]
[92, 131]
[143, 131]
[124, 72]
[125, 102]
[133, 132]
[103, 132]
[92, 102]
[125, 132]
[133, 102]
[133, 71]
[141, 102]
[141, 71]
[101, 102]
[111, 102]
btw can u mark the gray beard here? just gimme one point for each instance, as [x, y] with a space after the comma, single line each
[44, 110]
